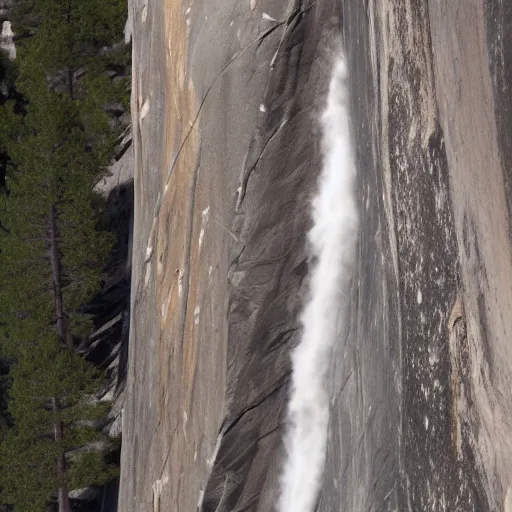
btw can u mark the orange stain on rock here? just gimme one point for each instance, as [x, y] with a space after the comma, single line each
[176, 254]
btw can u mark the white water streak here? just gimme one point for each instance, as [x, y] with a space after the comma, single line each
[333, 239]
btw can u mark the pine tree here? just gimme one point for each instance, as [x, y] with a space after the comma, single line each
[51, 250]
[47, 404]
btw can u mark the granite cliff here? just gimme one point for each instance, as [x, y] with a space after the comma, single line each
[225, 106]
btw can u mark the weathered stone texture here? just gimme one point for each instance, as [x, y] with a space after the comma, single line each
[225, 106]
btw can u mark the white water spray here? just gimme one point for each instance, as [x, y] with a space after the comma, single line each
[333, 238]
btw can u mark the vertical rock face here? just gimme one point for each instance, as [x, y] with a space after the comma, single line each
[225, 102]
[226, 96]
[6, 36]
[7, 40]
[425, 395]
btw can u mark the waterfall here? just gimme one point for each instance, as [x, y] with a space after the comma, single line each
[332, 240]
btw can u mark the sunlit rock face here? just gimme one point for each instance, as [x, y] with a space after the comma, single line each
[7, 40]
[427, 399]
[7, 35]
[226, 103]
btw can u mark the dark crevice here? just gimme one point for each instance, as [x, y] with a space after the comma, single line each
[247, 174]
[269, 433]
[282, 382]
[280, 340]
[188, 250]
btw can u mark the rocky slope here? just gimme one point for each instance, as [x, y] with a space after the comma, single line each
[226, 96]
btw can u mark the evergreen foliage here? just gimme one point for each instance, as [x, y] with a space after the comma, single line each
[55, 144]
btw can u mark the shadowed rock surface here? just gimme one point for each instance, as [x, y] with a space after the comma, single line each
[226, 97]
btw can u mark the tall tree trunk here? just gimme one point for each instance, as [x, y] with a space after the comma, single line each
[63, 494]
[71, 90]
[64, 334]
[71, 71]
[62, 321]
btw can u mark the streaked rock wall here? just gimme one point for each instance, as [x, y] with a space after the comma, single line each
[225, 101]
[226, 96]
[423, 422]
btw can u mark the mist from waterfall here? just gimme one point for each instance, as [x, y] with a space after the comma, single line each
[332, 240]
